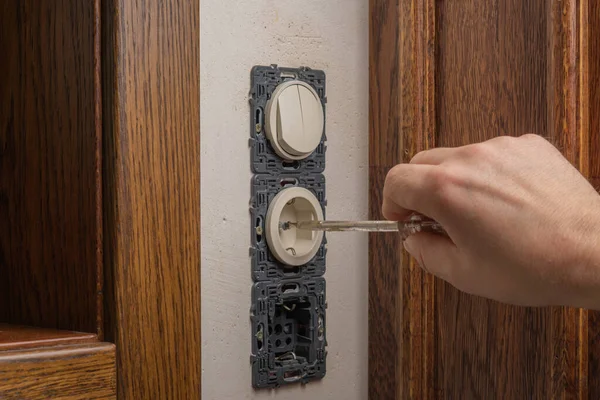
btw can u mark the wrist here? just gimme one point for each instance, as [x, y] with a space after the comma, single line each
[586, 265]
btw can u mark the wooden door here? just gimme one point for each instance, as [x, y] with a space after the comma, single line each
[151, 184]
[51, 286]
[449, 73]
[99, 199]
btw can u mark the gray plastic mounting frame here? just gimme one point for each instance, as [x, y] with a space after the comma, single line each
[264, 189]
[288, 303]
[264, 80]
[289, 332]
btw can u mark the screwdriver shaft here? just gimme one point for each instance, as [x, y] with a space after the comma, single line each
[411, 226]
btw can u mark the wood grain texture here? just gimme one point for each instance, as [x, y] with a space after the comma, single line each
[594, 92]
[495, 76]
[51, 232]
[16, 337]
[152, 195]
[402, 122]
[489, 68]
[593, 47]
[385, 300]
[60, 372]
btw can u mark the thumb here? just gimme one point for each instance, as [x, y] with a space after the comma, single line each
[436, 254]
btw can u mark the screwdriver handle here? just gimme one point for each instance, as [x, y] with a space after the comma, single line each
[419, 223]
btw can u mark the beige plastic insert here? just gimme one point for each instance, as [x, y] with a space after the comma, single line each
[294, 120]
[293, 246]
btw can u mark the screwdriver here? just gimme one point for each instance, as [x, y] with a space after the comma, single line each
[415, 224]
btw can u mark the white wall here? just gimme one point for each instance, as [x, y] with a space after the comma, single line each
[235, 35]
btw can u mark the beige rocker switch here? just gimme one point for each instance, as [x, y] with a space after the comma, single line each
[294, 120]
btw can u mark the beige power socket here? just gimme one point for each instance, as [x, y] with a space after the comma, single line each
[293, 246]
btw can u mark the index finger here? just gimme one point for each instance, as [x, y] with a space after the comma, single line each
[434, 156]
[407, 189]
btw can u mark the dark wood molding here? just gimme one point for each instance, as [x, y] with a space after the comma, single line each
[448, 74]
[593, 78]
[15, 337]
[85, 371]
[151, 165]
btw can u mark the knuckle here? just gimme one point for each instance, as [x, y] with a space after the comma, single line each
[475, 151]
[506, 139]
[419, 157]
[536, 141]
[392, 178]
[446, 185]
[532, 137]
[441, 181]
[501, 142]
[393, 173]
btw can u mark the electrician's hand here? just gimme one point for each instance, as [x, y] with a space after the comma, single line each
[524, 224]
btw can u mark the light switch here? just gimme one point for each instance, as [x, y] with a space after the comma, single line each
[295, 120]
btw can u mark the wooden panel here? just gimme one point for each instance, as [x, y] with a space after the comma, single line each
[594, 88]
[594, 174]
[489, 68]
[50, 234]
[384, 296]
[490, 81]
[402, 115]
[152, 195]
[15, 337]
[62, 372]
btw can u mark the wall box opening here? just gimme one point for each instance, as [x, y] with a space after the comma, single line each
[290, 337]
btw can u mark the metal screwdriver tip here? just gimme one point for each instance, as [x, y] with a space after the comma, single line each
[284, 226]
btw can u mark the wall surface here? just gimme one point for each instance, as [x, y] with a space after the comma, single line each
[330, 35]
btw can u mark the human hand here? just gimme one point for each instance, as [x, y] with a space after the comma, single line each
[523, 223]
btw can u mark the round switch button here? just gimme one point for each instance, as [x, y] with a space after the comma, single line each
[294, 120]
